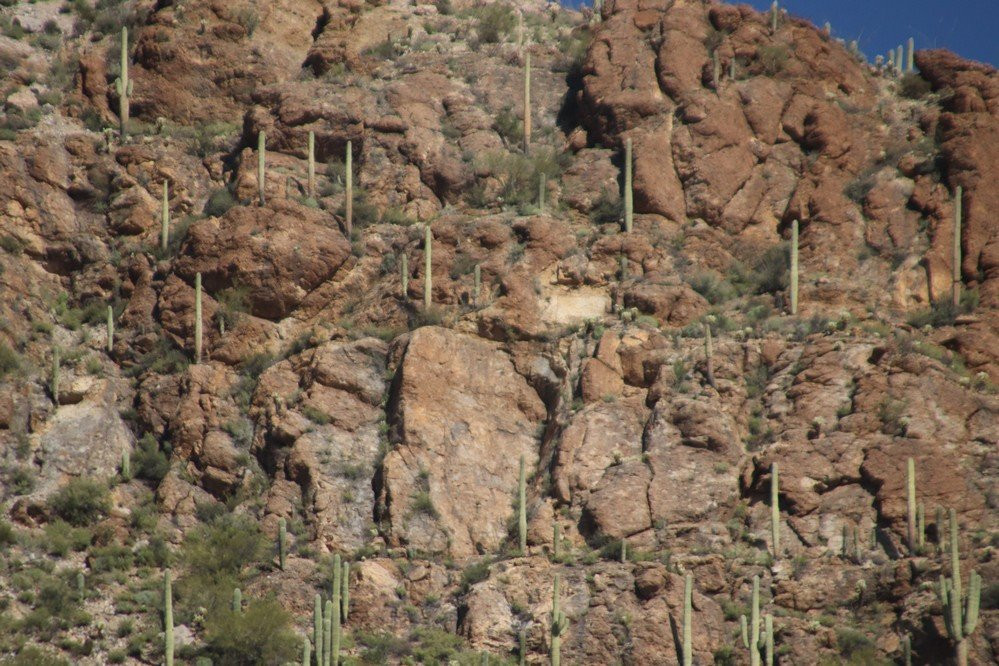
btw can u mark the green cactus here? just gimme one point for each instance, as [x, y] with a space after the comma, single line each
[910, 63]
[774, 15]
[165, 218]
[688, 619]
[794, 267]
[906, 650]
[123, 86]
[306, 651]
[751, 634]
[81, 588]
[334, 656]
[527, 103]
[317, 629]
[428, 249]
[891, 61]
[126, 465]
[911, 505]
[282, 542]
[110, 327]
[960, 613]
[921, 525]
[522, 508]
[54, 384]
[775, 509]
[261, 170]
[958, 202]
[404, 274]
[348, 204]
[522, 647]
[899, 55]
[559, 624]
[197, 318]
[345, 591]
[542, 184]
[477, 284]
[628, 194]
[768, 642]
[237, 600]
[328, 632]
[731, 68]
[168, 618]
[311, 187]
[940, 530]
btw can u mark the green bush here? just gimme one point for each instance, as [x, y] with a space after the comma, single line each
[7, 535]
[772, 58]
[215, 556]
[10, 361]
[81, 502]
[944, 312]
[914, 86]
[219, 202]
[34, 656]
[495, 22]
[111, 558]
[61, 537]
[149, 461]
[260, 634]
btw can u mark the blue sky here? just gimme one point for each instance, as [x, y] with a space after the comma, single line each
[970, 28]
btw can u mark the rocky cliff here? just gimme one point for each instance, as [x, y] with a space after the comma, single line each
[390, 431]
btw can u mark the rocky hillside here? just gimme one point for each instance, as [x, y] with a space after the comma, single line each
[469, 334]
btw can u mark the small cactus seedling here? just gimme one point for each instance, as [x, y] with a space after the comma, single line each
[168, 618]
[261, 165]
[165, 218]
[197, 318]
[628, 196]
[688, 591]
[958, 201]
[123, 86]
[282, 542]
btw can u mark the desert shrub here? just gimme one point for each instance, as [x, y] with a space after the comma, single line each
[944, 312]
[772, 58]
[219, 202]
[606, 209]
[81, 502]
[381, 647]
[712, 287]
[474, 573]
[111, 558]
[215, 556]
[31, 655]
[914, 86]
[509, 125]
[260, 634]
[149, 461]
[518, 174]
[495, 21]
[7, 535]
[61, 537]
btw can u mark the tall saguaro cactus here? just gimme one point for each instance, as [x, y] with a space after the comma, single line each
[775, 509]
[958, 203]
[237, 600]
[197, 318]
[688, 592]
[751, 634]
[345, 591]
[960, 613]
[348, 204]
[123, 86]
[774, 14]
[311, 187]
[306, 651]
[910, 63]
[327, 632]
[282, 542]
[522, 508]
[899, 55]
[261, 165]
[768, 641]
[628, 195]
[165, 218]
[428, 249]
[404, 275]
[168, 618]
[794, 267]
[334, 656]
[317, 629]
[558, 626]
[527, 103]
[911, 504]
[54, 383]
[110, 327]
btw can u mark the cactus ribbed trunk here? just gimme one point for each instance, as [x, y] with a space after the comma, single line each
[312, 166]
[404, 275]
[715, 69]
[334, 658]
[910, 63]
[168, 618]
[126, 465]
[556, 541]
[306, 651]
[522, 508]
[774, 13]
[775, 508]
[348, 204]
[688, 591]
[197, 318]
[165, 218]
[317, 629]
[542, 180]
[428, 249]
[110, 329]
[768, 645]
[754, 626]
[282, 542]
[794, 267]
[522, 647]
[958, 203]
[899, 56]
[327, 632]
[261, 165]
[911, 504]
[237, 600]
[557, 626]
[345, 592]
[123, 86]
[921, 525]
[477, 285]
[628, 200]
[54, 384]
[527, 103]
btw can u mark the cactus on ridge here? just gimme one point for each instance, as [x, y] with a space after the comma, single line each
[751, 634]
[318, 633]
[110, 329]
[559, 624]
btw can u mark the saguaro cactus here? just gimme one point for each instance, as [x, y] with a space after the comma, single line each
[522, 508]
[911, 504]
[715, 69]
[110, 327]
[906, 650]
[428, 249]
[477, 284]
[345, 591]
[899, 55]
[709, 356]
[774, 14]
[168, 618]
[751, 634]
[910, 63]
[54, 383]
[768, 641]
[921, 525]
[404, 275]
[628, 196]
[688, 592]
[197, 318]
[237, 600]
[775, 509]
[317, 629]
[123, 85]
[126, 465]
[348, 204]
[558, 627]
[960, 613]
[306, 651]
[261, 166]
[327, 632]
[794, 267]
[958, 202]
[522, 647]
[556, 541]
[282, 542]
[527, 103]
[81, 588]
[311, 187]
[165, 218]
[334, 658]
